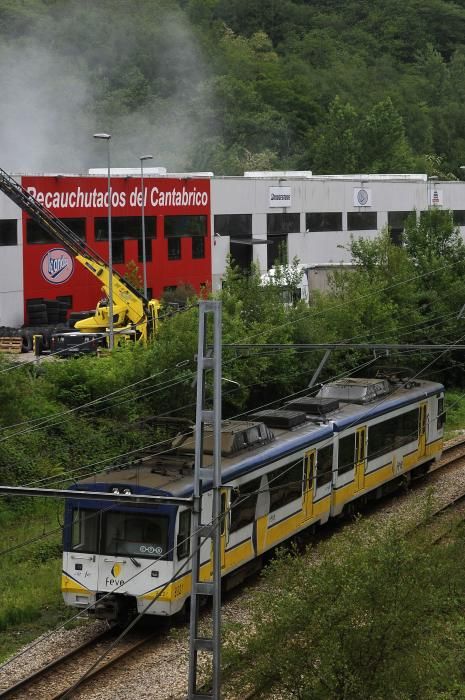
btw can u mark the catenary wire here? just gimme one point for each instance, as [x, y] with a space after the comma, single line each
[236, 504]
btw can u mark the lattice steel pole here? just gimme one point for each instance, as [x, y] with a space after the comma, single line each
[211, 530]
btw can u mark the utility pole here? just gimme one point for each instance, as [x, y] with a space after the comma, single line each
[207, 536]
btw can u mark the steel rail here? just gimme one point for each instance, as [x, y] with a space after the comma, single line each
[36, 675]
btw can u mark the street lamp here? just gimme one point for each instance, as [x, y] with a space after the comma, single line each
[107, 138]
[431, 179]
[144, 258]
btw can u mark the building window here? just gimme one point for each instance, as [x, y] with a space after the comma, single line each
[324, 221]
[174, 249]
[125, 227]
[66, 299]
[233, 225]
[277, 224]
[198, 247]
[396, 224]
[239, 229]
[148, 250]
[277, 227]
[185, 226]
[362, 220]
[117, 251]
[36, 234]
[77, 226]
[8, 232]
[459, 217]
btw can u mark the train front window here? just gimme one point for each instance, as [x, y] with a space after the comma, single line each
[85, 529]
[136, 535]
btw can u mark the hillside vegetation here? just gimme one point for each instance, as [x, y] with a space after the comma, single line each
[228, 85]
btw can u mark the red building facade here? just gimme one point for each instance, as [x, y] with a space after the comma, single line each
[177, 232]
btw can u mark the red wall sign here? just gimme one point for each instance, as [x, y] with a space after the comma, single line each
[48, 268]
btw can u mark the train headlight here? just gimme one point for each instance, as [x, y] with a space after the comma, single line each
[127, 492]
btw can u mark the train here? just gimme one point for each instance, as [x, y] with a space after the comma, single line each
[284, 470]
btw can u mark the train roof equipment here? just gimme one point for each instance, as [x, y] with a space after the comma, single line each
[248, 443]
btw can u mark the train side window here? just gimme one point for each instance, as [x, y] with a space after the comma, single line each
[85, 527]
[243, 504]
[285, 484]
[392, 433]
[346, 458]
[324, 466]
[184, 532]
[441, 414]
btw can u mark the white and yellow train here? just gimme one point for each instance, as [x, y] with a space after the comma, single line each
[283, 471]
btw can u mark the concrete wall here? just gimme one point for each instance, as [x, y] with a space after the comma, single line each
[11, 270]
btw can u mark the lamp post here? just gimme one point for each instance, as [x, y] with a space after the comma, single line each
[107, 138]
[144, 257]
[431, 180]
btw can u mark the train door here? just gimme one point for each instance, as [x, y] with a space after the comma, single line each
[224, 533]
[360, 458]
[224, 530]
[422, 430]
[309, 478]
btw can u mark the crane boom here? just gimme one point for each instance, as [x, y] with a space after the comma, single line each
[131, 308]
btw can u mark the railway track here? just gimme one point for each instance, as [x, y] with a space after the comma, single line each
[55, 680]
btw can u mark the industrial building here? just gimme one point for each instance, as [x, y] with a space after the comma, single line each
[194, 221]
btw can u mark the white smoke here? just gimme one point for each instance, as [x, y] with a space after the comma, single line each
[51, 103]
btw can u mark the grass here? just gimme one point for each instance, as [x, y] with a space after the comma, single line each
[30, 598]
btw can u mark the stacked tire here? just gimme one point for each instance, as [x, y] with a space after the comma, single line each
[42, 311]
[37, 314]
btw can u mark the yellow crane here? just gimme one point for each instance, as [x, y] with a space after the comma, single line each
[134, 316]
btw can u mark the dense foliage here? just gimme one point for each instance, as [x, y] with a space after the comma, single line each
[371, 615]
[228, 85]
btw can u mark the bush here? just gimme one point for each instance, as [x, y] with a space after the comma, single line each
[367, 620]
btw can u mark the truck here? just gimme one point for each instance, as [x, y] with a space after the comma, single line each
[134, 317]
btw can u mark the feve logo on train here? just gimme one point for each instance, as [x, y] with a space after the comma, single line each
[57, 266]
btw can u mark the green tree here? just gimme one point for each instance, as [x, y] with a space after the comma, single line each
[337, 146]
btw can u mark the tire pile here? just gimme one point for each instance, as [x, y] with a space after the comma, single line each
[44, 317]
[46, 311]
